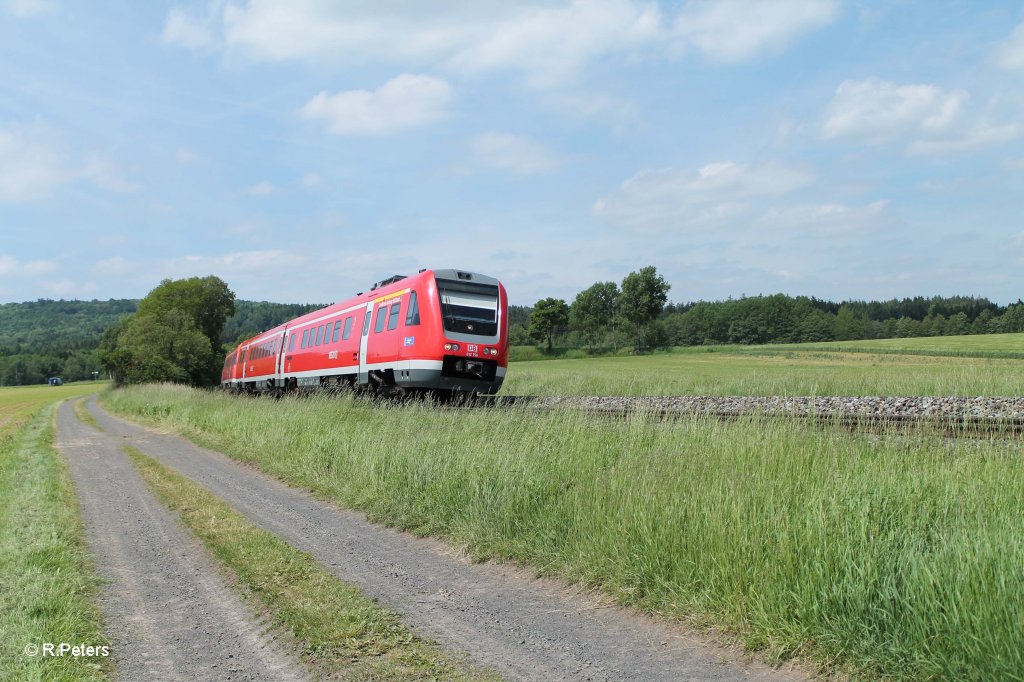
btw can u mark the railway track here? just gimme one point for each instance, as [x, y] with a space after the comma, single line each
[951, 415]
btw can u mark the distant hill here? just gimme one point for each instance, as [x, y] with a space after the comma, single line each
[44, 338]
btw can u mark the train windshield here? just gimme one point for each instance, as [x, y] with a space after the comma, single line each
[468, 307]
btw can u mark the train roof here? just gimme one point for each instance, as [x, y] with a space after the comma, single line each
[379, 289]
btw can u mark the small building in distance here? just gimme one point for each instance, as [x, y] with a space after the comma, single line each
[55, 381]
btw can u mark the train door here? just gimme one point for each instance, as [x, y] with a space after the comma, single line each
[279, 370]
[364, 372]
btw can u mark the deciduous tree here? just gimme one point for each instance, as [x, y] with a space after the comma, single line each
[548, 317]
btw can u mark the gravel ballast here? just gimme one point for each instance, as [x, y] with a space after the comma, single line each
[880, 408]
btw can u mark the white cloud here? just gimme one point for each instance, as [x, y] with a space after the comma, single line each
[8, 265]
[30, 8]
[1010, 54]
[30, 165]
[709, 195]
[826, 218]
[549, 42]
[928, 119]
[189, 30]
[879, 111]
[33, 164]
[12, 267]
[104, 174]
[116, 265]
[262, 189]
[514, 153]
[552, 43]
[982, 134]
[184, 155]
[406, 101]
[311, 180]
[231, 264]
[738, 30]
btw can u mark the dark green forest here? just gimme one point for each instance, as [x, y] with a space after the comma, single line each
[45, 338]
[604, 318]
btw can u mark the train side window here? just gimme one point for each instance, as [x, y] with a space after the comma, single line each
[393, 315]
[348, 328]
[305, 338]
[291, 343]
[366, 322]
[319, 335]
[337, 332]
[412, 316]
[379, 325]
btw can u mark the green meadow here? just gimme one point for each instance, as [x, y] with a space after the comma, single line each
[800, 369]
[898, 555]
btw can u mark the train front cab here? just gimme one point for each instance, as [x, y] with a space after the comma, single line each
[464, 315]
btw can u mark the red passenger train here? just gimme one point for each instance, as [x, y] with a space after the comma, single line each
[439, 330]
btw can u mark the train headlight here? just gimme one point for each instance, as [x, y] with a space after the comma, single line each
[451, 346]
[490, 351]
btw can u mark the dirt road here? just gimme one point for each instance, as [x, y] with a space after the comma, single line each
[168, 611]
[500, 616]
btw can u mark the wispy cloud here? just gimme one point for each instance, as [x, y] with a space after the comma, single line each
[739, 30]
[406, 101]
[550, 43]
[12, 267]
[31, 166]
[1010, 53]
[673, 198]
[928, 119]
[515, 153]
[30, 8]
[262, 189]
[34, 163]
[190, 29]
[879, 111]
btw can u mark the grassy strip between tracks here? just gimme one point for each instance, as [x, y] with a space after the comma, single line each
[900, 556]
[85, 416]
[343, 633]
[47, 586]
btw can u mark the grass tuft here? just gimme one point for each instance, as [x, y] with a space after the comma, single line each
[85, 416]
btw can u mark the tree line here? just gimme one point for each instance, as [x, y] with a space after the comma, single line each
[609, 316]
[46, 338]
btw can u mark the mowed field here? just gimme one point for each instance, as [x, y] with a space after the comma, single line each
[957, 366]
[18, 403]
[982, 345]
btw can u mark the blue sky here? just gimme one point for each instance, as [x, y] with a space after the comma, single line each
[303, 150]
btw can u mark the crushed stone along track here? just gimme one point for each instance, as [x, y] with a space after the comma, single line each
[502, 617]
[1005, 414]
[167, 609]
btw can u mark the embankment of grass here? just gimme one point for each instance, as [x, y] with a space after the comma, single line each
[899, 557]
[343, 633]
[47, 586]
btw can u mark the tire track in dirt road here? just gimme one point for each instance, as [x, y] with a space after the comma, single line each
[502, 617]
[168, 611]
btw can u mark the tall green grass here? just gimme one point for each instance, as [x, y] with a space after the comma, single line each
[47, 588]
[900, 556]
